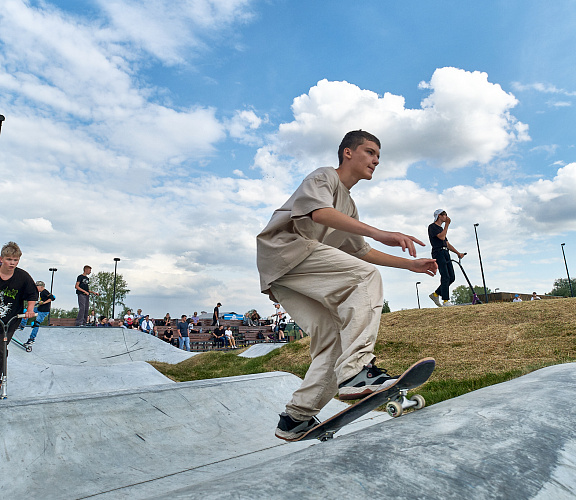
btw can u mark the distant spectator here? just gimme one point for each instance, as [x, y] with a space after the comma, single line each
[83, 292]
[138, 315]
[216, 315]
[167, 336]
[230, 337]
[103, 322]
[517, 298]
[148, 326]
[535, 297]
[220, 336]
[167, 320]
[255, 318]
[92, 318]
[195, 318]
[128, 319]
[182, 331]
[279, 318]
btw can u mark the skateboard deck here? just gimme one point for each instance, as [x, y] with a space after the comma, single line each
[413, 377]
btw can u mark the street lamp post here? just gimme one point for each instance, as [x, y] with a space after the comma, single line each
[567, 273]
[417, 295]
[52, 270]
[116, 260]
[481, 267]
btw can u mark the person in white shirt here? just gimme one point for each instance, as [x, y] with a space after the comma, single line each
[535, 297]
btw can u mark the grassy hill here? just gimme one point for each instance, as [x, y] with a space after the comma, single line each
[474, 346]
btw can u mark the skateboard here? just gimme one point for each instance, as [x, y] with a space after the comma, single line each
[395, 395]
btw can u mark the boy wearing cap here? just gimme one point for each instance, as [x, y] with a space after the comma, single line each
[42, 308]
[313, 259]
[441, 249]
[17, 292]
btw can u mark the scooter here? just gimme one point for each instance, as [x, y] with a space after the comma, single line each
[475, 299]
[4, 378]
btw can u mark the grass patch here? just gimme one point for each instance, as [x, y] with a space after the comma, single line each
[474, 346]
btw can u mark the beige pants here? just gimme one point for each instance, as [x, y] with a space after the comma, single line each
[337, 300]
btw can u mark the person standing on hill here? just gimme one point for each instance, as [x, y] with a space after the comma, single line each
[313, 259]
[441, 249]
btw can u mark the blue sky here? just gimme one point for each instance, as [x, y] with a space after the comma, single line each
[166, 133]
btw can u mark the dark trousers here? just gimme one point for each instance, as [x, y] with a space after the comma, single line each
[83, 304]
[446, 271]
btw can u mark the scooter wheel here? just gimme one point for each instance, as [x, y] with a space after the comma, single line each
[28, 349]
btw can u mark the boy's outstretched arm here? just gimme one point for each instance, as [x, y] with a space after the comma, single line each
[426, 266]
[337, 220]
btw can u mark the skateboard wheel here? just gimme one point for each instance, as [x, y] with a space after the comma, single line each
[420, 401]
[394, 409]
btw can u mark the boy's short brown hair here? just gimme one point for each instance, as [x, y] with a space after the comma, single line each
[11, 249]
[354, 139]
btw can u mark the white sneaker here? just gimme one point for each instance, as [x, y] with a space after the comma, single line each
[447, 304]
[435, 299]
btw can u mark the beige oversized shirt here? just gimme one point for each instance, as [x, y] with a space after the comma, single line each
[292, 235]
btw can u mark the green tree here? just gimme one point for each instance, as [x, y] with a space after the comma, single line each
[386, 308]
[62, 313]
[562, 287]
[463, 295]
[103, 284]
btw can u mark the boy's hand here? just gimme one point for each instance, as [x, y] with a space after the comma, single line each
[399, 240]
[426, 266]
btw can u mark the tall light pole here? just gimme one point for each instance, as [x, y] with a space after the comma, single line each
[417, 295]
[567, 273]
[2, 118]
[116, 260]
[480, 258]
[52, 270]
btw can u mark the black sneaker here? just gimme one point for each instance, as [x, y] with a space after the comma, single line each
[29, 342]
[369, 380]
[290, 429]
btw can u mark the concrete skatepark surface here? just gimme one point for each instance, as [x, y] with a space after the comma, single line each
[261, 349]
[215, 438]
[79, 360]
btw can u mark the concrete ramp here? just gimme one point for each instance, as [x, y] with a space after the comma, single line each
[143, 443]
[86, 360]
[98, 346]
[261, 349]
[512, 440]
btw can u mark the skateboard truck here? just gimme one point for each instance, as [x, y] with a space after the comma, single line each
[397, 404]
[326, 436]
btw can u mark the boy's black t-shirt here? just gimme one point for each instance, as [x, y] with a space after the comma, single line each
[13, 292]
[83, 282]
[45, 295]
[433, 231]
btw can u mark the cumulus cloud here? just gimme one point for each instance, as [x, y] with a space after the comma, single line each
[465, 120]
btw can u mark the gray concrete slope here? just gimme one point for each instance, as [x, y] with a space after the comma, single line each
[99, 346]
[140, 443]
[82, 360]
[256, 350]
[515, 440]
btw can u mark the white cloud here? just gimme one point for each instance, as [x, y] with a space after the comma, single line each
[173, 31]
[38, 225]
[465, 120]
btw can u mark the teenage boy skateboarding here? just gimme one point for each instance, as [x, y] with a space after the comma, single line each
[313, 259]
[17, 292]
